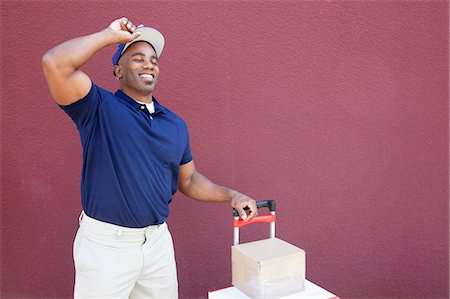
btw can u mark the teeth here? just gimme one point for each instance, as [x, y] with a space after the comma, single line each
[149, 76]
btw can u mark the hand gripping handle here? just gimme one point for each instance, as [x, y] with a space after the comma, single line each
[271, 218]
[270, 204]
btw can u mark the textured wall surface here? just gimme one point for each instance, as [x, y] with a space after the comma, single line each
[339, 110]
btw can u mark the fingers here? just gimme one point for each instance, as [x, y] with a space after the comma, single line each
[249, 203]
[135, 35]
[242, 213]
[253, 212]
[126, 24]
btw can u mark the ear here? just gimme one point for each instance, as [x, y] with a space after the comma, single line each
[118, 72]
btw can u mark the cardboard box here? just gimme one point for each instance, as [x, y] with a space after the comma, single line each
[268, 268]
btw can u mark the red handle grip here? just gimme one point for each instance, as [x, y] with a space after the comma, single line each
[257, 219]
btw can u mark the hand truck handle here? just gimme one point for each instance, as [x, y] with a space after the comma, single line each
[270, 204]
[237, 223]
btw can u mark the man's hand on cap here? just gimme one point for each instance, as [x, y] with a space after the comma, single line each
[125, 30]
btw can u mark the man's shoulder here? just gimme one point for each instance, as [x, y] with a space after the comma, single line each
[104, 92]
[106, 96]
[98, 92]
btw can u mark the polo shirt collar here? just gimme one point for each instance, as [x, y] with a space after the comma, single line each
[123, 96]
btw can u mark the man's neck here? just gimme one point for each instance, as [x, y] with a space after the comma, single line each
[139, 97]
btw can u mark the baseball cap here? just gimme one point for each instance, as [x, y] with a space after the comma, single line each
[149, 35]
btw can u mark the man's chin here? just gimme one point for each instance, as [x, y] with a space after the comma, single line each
[149, 87]
[143, 89]
[146, 90]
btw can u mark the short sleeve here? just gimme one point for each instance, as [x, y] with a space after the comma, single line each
[187, 156]
[83, 111]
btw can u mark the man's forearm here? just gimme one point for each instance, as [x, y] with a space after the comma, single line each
[201, 188]
[61, 65]
[74, 53]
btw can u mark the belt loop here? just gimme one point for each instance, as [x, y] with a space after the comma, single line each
[119, 232]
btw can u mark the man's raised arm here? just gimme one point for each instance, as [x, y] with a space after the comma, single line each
[61, 64]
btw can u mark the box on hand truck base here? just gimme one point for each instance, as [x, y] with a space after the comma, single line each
[268, 268]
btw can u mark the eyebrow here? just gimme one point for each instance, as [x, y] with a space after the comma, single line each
[142, 54]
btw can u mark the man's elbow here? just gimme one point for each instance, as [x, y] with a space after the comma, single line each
[49, 62]
[52, 62]
[184, 185]
[183, 188]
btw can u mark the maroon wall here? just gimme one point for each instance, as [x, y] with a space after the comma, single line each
[339, 110]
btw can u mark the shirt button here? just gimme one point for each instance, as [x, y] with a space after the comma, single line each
[142, 107]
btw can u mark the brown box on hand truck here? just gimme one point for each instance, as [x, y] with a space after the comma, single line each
[268, 268]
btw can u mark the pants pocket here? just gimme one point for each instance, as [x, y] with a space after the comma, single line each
[78, 245]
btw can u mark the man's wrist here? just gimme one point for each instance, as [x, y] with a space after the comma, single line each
[231, 194]
[111, 36]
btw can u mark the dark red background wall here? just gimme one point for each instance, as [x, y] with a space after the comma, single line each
[338, 110]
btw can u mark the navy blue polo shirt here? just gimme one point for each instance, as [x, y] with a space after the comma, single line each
[131, 158]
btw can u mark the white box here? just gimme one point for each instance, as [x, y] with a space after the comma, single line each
[268, 268]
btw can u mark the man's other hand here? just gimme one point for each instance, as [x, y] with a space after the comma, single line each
[240, 201]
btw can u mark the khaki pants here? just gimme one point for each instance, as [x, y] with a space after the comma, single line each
[119, 262]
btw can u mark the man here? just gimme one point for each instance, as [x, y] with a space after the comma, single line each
[136, 154]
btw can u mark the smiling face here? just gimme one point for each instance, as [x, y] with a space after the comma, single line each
[138, 71]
